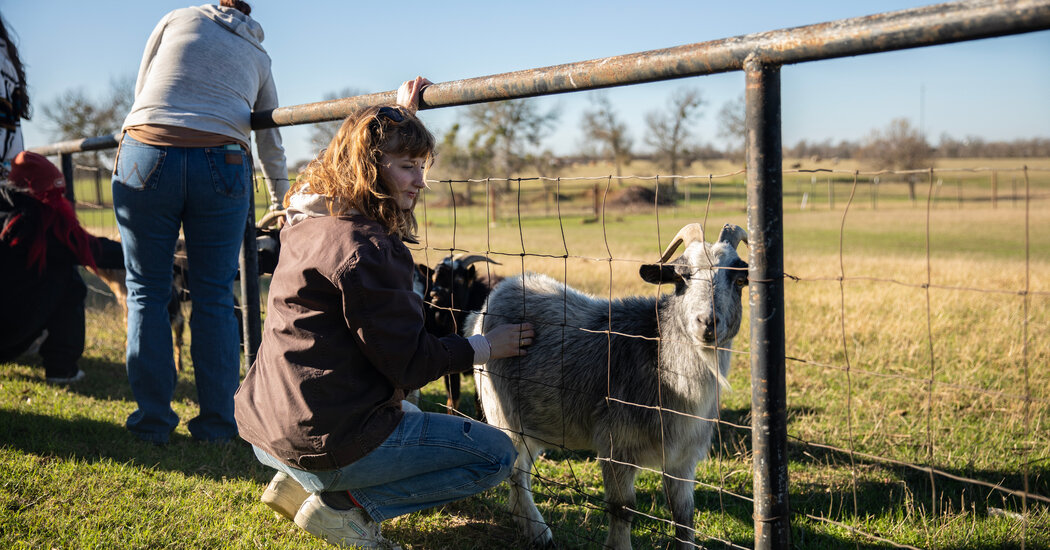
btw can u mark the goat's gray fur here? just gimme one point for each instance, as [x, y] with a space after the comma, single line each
[651, 405]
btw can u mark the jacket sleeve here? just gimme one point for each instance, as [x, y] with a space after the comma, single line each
[271, 149]
[107, 253]
[386, 317]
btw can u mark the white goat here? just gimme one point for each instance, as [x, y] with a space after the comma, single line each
[636, 380]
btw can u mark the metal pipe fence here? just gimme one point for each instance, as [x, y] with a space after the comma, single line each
[760, 56]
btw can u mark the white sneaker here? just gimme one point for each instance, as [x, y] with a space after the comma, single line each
[284, 495]
[344, 528]
[66, 379]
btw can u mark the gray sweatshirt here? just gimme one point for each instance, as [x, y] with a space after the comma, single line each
[204, 68]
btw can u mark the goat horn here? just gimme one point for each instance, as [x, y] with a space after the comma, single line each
[732, 234]
[270, 218]
[687, 235]
[473, 258]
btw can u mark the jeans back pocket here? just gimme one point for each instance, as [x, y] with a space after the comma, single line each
[229, 171]
[138, 165]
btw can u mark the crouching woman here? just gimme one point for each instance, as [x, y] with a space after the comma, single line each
[343, 342]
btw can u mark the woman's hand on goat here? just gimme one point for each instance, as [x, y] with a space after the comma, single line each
[410, 91]
[509, 340]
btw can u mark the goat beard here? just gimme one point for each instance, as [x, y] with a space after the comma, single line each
[56, 215]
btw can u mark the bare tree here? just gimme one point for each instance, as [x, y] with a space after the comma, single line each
[733, 128]
[464, 162]
[76, 115]
[603, 126]
[670, 132]
[321, 133]
[508, 128]
[899, 147]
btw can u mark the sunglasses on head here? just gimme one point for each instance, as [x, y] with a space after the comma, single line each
[391, 114]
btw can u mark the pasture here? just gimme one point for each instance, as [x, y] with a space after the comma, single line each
[917, 377]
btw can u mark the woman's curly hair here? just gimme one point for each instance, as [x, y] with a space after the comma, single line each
[347, 171]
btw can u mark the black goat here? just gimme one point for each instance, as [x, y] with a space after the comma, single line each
[450, 292]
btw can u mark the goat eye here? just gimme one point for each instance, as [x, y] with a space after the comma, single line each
[741, 282]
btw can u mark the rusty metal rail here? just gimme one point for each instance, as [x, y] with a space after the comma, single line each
[760, 56]
[912, 28]
[926, 26]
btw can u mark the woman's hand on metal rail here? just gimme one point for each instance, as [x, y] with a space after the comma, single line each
[410, 91]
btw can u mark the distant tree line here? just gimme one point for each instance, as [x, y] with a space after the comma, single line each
[973, 146]
[947, 147]
[505, 139]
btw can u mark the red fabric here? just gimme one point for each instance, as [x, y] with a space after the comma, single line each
[44, 182]
[354, 500]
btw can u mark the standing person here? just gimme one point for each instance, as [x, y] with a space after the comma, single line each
[343, 342]
[14, 101]
[184, 162]
[41, 245]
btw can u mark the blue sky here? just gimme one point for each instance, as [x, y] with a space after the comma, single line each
[995, 88]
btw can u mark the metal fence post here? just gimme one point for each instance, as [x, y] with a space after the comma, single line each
[98, 187]
[766, 294]
[249, 264]
[66, 160]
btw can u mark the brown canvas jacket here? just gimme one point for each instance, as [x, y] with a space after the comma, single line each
[343, 342]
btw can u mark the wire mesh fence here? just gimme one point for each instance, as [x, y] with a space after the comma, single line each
[917, 387]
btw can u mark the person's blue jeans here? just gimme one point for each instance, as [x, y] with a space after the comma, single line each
[431, 459]
[157, 190]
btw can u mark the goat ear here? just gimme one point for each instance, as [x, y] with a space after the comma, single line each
[660, 274]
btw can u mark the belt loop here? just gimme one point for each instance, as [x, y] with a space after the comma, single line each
[120, 144]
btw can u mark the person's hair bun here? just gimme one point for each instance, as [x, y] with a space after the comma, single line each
[239, 5]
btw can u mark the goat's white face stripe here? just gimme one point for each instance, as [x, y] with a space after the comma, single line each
[704, 261]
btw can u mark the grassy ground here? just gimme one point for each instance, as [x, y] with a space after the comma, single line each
[918, 391]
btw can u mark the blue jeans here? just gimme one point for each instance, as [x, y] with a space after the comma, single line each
[157, 190]
[431, 459]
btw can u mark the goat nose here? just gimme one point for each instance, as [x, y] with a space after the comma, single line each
[708, 323]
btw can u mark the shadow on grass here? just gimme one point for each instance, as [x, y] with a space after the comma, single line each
[576, 514]
[106, 380]
[88, 440]
[81, 438]
[885, 493]
[479, 522]
[881, 490]
[803, 454]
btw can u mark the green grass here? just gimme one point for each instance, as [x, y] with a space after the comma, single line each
[885, 378]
